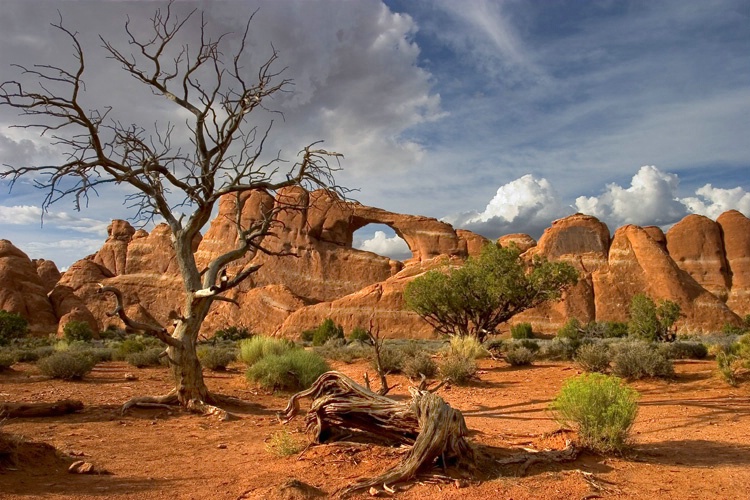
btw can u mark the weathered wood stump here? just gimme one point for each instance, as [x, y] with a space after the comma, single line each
[342, 409]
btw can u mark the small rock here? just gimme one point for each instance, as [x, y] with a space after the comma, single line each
[374, 491]
[222, 446]
[130, 376]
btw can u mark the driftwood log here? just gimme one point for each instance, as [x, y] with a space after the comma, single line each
[26, 410]
[344, 410]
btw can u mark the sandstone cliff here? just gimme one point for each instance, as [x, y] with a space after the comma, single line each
[701, 264]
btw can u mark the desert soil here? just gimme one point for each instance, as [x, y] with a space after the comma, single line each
[691, 440]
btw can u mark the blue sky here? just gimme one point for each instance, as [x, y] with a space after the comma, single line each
[499, 116]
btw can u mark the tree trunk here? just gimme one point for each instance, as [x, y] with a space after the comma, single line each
[187, 371]
[26, 410]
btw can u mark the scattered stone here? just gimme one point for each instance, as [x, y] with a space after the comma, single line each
[222, 446]
[130, 376]
[82, 467]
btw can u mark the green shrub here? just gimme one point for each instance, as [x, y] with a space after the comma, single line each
[293, 370]
[7, 358]
[684, 350]
[420, 364]
[254, 349]
[335, 350]
[559, 348]
[100, 354]
[12, 326]
[327, 330]
[232, 334]
[77, 331]
[652, 322]
[148, 357]
[459, 369]
[66, 365]
[635, 360]
[572, 329]
[606, 330]
[521, 331]
[601, 407]
[359, 334]
[134, 344]
[519, 356]
[467, 347]
[216, 358]
[729, 366]
[392, 358]
[283, 444]
[594, 357]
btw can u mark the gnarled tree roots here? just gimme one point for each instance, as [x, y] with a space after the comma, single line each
[208, 407]
[342, 409]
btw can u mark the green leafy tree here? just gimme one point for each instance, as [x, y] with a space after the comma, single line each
[652, 322]
[12, 326]
[487, 291]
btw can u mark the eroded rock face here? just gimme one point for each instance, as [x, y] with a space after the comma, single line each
[522, 241]
[114, 252]
[695, 244]
[735, 229]
[638, 264]
[22, 291]
[48, 273]
[702, 265]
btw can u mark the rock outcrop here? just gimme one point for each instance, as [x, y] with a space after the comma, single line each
[22, 291]
[735, 231]
[312, 272]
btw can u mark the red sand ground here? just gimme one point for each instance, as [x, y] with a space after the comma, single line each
[691, 440]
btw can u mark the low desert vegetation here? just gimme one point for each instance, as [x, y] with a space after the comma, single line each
[67, 365]
[594, 357]
[519, 355]
[232, 334]
[325, 331]
[278, 364]
[77, 331]
[602, 408]
[283, 444]
[652, 322]
[216, 358]
[636, 359]
[521, 331]
[7, 358]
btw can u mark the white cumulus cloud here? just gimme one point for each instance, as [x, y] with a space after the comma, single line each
[393, 247]
[712, 202]
[527, 205]
[651, 199]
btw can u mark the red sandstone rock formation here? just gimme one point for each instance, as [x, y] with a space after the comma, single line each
[695, 244]
[735, 229]
[22, 291]
[48, 273]
[326, 277]
[522, 241]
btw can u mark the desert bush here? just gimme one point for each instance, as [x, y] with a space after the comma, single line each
[521, 331]
[467, 347]
[652, 322]
[559, 348]
[293, 370]
[359, 334]
[635, 360]
[459, 369]
[216, 358]
[594, 357]
[392, 358]
[133, 344]
[77, 331]
[7, 358]
[256, 348]
[283, 444]
[319, 335]
[148, 357]
[100, 354]
[420, 364]
[232, 334]
[66, 365]
[337, 350]
[33, 354]
[519, 355]
[12, 326]
[602, 408]
[729, 366]
[684, 350]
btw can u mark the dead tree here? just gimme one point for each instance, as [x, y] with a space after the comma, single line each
[343, 410]
[178, 184]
